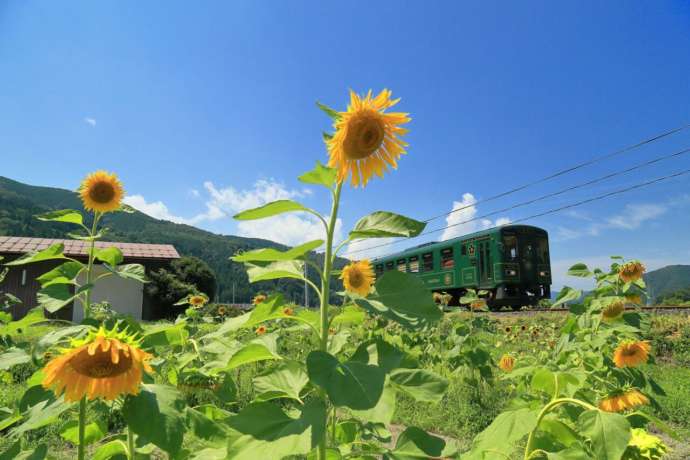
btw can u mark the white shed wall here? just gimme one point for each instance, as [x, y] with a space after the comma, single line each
[125, 296]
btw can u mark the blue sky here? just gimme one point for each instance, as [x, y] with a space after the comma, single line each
[204, 108]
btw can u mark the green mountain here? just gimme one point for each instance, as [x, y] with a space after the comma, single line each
[667, 280]
[19, 203]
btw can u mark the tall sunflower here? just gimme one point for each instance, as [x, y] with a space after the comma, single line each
[197, 300]
[631, 271]
[358, 277]
[631, 353]
[102, 192]
[623, 401]
[106, 364]
[259, 298]
[367, 139]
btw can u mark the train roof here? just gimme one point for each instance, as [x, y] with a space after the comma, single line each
[431, 245]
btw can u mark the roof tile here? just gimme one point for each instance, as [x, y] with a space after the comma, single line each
[20, 245]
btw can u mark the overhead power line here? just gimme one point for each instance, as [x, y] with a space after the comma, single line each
[566, 171]
[534, 216]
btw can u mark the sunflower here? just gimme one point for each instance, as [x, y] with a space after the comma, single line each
[622, 401]
[101, 192]
[197, 300]
[288, 311]
[222, 311]
[478, 304]
[631, 271]
[631, 353]
[261, 330]
[613, 311]
[106, 364]
[366, 139]
[508, 329]
[358, 277]
[438, 298]
[260, 298]
[523, 328]
[506, 363]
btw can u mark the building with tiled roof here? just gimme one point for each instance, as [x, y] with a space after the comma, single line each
[125, 296]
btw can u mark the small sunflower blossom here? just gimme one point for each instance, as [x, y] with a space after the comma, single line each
[261, 330]
[631, 353]
[260, 298]
[633, 299]
[221, 311]
[478, 304]
[367, 139]
[358, 277]
[288, 311]
[613, 311]
[197, 300]
[508, 329]
[101, 192]
[106, 364]
[631, 271]
[506, 363]
[623, 401]
[438, 298]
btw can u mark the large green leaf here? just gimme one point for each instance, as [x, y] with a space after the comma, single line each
[417, 444]
[165, 336]
[383, 224]
[608, 432]
[135, 272]
[264, 431]
[64, 215]
[157, 414]
[260, 349]
[350, 314]
[93, 432]
[56, 296]
[35, 315]
[320, 175]
[352, 384]
[402, 298]
[111, 450]
[13, 357]
[384, 410]
[52, 252]
[274, 308]
[275, 270]
[15, 453]
[206, 428]
[62, 274]
[567, 294]
[421, 384]
[42, 414]
[379, 353]
[274, 255]
[111, 256]
[499, 439]
[580, 270]
[271, 209]
[286, 380]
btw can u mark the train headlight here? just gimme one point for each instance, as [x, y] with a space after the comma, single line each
[544, 273]
[510, 272]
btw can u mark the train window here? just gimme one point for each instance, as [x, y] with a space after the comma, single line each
[427, 262]
[463, 250]
[414, 264]
[389, 265]
[447, 260]
[510, 244]
[379, 269]
[402, 265]
[543, 251]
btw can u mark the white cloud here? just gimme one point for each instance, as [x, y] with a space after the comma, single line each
[90, 121]
[464, 219]
[630, 218]
[194, 192]
[223, 202]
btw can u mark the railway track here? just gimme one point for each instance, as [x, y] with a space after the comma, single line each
[660, 310]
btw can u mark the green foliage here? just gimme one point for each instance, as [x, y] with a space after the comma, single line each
[185, 276]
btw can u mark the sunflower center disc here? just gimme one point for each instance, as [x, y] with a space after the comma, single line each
[100, 365]
[364, 137]
[102, 192]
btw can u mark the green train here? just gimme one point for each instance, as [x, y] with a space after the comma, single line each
[510, 262]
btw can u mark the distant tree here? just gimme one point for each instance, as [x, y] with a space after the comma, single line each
[187, 275]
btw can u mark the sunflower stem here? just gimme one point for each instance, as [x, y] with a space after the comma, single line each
[551, 405]
[130, 443]
[89, 268]
[82, 428]
[325, 297]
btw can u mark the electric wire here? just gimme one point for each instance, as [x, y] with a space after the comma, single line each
[534, 216]
[566, 171]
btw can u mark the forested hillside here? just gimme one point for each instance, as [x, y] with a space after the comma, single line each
[668, 280]
[19, 203]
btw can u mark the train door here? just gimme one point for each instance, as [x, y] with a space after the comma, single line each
[486, 271]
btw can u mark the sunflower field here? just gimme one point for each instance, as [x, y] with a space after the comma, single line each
[383, 373]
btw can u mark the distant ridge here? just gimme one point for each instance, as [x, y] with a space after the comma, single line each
[667, 280]
[19, 203]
